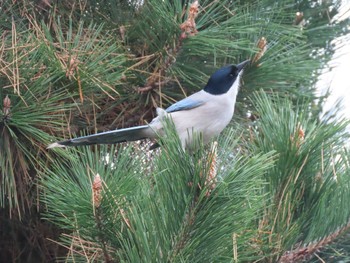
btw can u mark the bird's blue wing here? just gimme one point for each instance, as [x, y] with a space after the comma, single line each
[185, 104]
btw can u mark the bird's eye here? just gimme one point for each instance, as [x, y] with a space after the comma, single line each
[233, 72]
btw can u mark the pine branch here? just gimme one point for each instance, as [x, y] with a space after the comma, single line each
[305, 252]
[305, 155]
[188, 29]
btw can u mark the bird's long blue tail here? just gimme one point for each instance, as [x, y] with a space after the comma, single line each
[109, 137]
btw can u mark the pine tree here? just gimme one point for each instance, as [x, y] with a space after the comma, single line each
[273, 188]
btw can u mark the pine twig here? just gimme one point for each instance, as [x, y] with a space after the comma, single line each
[301, 253]
[211, 179]
[151, 86]
[210, 183]
[97, 198]
[188, 28]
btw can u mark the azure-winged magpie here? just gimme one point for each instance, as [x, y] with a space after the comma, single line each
[206, 112]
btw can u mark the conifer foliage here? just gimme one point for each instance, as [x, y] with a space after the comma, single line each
[274, 187]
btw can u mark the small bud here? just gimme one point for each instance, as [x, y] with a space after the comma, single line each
[301, 133]
[299, 136]
[123, 77]
[194, 9]
[211, 177]
[262, 46]
[96, 190]
[7, 102]
[122, 31]
[7, 105]
[72, 66]
[299, 17]
[188, 27]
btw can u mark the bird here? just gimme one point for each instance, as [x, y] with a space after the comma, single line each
[205, 113]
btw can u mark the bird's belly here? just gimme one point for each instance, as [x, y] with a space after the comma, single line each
[208, 123]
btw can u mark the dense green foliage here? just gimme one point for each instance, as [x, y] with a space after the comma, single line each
[72, 67]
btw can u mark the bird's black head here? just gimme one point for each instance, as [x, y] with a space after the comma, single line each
[222, 80]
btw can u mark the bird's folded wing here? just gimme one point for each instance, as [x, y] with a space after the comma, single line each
[185, 104]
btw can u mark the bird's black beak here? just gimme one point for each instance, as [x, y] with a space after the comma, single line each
[241, 65]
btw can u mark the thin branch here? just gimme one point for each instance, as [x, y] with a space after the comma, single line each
[302, 253]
